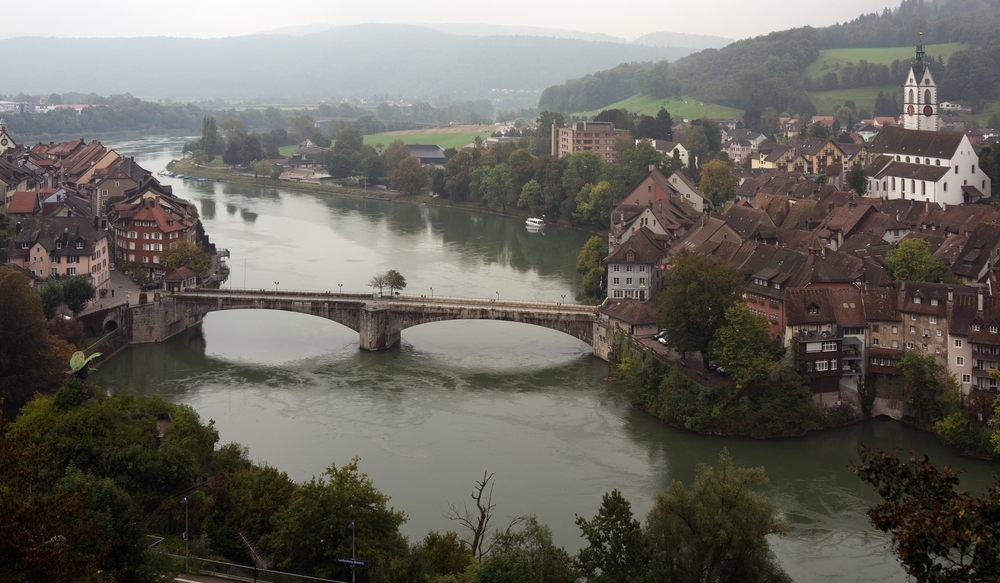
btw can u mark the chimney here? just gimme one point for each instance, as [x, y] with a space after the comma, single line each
[951, 295]
[652, 167]
[902, 286]
[979, 300]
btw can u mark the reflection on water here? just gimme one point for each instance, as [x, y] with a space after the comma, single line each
[456, 398]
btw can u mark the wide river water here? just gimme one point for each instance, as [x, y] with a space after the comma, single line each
[455, 399]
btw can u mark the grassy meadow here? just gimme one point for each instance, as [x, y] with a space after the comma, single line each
[834, 59]
[679, 108]
[446, 137]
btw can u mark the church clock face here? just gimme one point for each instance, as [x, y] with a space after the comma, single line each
[909, 110]
[3, 142]
[928, 110]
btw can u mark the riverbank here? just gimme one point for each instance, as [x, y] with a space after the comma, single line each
[187, 167]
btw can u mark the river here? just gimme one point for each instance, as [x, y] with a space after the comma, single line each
[455, 399]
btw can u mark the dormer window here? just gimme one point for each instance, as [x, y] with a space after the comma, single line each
[993, 329]
[79, 244]
[630, 257]
[58, 244]
[976, 328]
[777, 285]
[25, 245]
[917, 300]
[813, 309]
[934, 302]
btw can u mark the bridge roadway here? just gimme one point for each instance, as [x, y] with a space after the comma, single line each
[378, 319]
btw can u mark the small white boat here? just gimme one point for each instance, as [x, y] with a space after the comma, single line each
[536, 223]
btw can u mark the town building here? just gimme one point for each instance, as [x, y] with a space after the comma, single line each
[146, 224]
[635, 268]
[59, 247]
[587, 136]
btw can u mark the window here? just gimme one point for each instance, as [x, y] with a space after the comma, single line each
[777, 285]
[993, 329]
[976, 328]
[966, 378]
[158, 236]
[927, 332]
[934, 302]
[895, 329]
[642, 268]
[874, 341]
[913, 317]
[918, 300]
[642, 282]
[70, 271]
[895, 344]
[145, 259]
[933, 319]
[53, 271]
[959, 361]
[821, 365]
[913, 329]
[938, 332]
[829, 346]
[174, 236]
[628, 281]
[773, 318]
[909, 346]
[133, 235]
[875, 328]
[145, 236]
[628, 268]
[79, 244]
[958, 343]
[615, 267]
[617, 281]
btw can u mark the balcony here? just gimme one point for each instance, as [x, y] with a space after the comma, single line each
[815, 336]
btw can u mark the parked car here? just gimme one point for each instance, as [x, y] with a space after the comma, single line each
[150, 285]
[660, 334]
[662, 340]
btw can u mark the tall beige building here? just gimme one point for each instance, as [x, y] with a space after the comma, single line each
[584, 136]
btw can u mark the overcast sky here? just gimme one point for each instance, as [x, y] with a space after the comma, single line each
[623, 18]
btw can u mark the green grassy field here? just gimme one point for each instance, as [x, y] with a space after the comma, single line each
[446, 139]
[288, 150]
[834, 59]
[679, 108]
[863, 98]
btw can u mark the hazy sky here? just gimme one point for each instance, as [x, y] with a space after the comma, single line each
[622, 18]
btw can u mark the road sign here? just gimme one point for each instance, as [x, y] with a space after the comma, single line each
[353, 562]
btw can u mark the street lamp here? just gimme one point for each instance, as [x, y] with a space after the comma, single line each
[432, 292]
[498, 296]
[563, 299]
[276, 286]
[186, 537]
[354, 568]
[341, 286]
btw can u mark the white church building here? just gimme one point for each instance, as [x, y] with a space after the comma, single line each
[917, 161]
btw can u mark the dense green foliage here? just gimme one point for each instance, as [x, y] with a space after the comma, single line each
[77, 291]
[590, 265]
[693, 304]
[31, 359]
[744, 347]
[618, 550]
[911, 260]
[715, 531]
[940, 533]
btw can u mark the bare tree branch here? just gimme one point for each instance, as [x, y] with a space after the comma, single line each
[477, 524]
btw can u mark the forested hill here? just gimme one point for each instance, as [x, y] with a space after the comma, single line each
[766, 71]
[361, 60]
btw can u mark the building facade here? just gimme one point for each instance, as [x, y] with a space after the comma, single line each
[587, 136]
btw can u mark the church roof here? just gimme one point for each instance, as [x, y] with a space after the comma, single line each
[897, 140]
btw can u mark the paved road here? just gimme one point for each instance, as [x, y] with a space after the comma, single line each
[124, 290]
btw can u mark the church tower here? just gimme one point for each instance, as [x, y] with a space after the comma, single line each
[920, 101]
[6, 142]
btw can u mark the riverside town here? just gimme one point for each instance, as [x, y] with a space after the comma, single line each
[670, 308]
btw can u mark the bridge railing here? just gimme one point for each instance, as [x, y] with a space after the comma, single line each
[408, 298]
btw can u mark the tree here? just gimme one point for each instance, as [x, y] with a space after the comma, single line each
[394, 280]
[271, 151]
[717, 182]
[939, 533]
[234, 129]
[185, 254]
[693, 304]
[378, 280]
[437, 180]
[52, 298]
[409, 176]
[541, 144]
[911, 260]
[348, 141]
[744, 345]
[440, 555]
[715, 531]
[260, 168]
[477, 524]
[47, 534]
[209, 137]
[924, 385]
[231, 155]
[618, 550]
[77, 291]
[696, 143]
[594, 203]
[525, 555]
[312, 532]
[251, 149]
[857, 180]
[590, 265]
[32, 360]
[663, 116]
[393, 155]
[531, 196]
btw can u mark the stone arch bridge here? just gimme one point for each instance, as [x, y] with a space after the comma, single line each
[378, 320]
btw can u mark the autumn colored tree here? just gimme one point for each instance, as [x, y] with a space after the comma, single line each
[31, 359]
[940, 533]
[185, 254]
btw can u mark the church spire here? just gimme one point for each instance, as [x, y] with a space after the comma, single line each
[920, 65]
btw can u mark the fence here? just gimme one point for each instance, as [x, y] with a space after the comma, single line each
[236, 572]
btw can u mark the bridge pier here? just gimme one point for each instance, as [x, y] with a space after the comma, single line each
[377, 331]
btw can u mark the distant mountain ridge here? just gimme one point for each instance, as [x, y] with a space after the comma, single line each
[358, 60]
